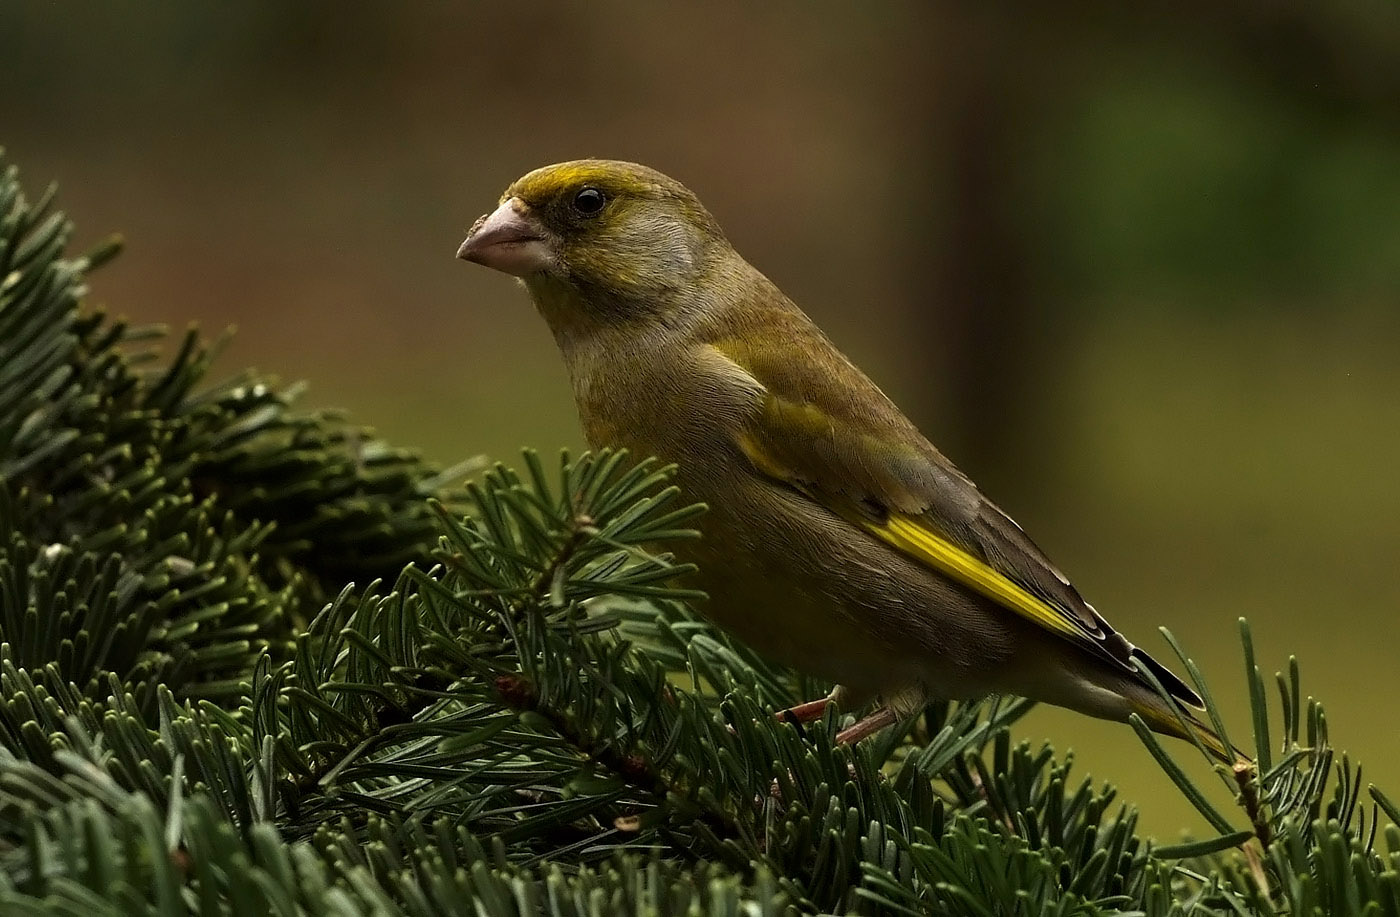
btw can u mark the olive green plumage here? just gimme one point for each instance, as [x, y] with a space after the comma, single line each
[838, 539]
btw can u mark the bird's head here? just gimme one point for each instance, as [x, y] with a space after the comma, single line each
[607, 236]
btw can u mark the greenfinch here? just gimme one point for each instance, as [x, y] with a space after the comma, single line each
[837, 538]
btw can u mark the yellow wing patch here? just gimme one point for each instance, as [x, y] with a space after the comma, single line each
[915, 539]
[806, 423]
[910, 536]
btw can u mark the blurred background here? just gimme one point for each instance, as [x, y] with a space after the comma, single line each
[1136, 268]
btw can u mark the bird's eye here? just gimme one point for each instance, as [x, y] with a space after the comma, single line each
[589, 201]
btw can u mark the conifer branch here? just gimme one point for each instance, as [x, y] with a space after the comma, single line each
[519, 713]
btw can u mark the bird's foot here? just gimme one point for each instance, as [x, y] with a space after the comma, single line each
[869, 726]
[805, 713]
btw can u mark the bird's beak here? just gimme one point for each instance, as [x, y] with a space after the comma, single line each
[508, 239]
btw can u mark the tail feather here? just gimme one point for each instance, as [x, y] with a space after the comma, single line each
[1187, 726]
[1170, 680]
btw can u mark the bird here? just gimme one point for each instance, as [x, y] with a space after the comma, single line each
[836, 539]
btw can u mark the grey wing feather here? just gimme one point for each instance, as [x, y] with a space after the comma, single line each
[1003, 544]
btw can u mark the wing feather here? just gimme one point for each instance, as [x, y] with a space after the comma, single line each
[876, 470]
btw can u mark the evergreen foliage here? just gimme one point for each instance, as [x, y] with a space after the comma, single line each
[516, 712]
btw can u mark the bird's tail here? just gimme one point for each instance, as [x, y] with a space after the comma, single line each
[1184, 725]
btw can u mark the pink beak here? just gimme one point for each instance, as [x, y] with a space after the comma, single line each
[508, 239]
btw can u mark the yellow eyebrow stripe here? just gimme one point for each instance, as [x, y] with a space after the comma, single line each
[548, 181]
[914, 539]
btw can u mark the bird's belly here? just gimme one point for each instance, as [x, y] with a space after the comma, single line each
[790, 619]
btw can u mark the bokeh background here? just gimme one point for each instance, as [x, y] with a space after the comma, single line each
[1135, 267]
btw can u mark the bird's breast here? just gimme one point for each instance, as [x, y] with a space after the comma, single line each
[678, 403]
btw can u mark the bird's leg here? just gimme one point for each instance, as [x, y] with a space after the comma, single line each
[872, 724]
[805, 713]
[813, 709]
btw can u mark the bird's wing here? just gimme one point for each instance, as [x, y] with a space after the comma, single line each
[830, 434]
